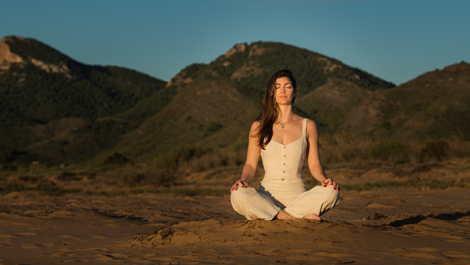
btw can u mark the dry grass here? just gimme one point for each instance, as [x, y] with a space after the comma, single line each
[421, 185]
[345, 148]
[206, 172]
[186, 160]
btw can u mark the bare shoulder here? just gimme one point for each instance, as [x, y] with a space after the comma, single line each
[311, 123]
[311, 128]
[254, 126]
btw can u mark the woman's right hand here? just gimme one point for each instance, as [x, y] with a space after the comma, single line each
[239, 182]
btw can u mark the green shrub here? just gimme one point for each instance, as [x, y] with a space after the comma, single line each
[175, 158]
[132, 179]
[8, 167]
[434, 149]
[117, 160]
[240, 145]
[393, 150]
[213, 127]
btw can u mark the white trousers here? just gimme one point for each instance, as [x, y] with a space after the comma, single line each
[274, 196]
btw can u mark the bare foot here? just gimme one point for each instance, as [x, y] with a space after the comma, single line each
[312, 217]
[283, 215]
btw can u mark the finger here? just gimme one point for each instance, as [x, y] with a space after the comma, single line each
[242, 183]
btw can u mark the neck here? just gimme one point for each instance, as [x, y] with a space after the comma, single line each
[285, 113]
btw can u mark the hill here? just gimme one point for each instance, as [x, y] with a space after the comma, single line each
[253, 64]
[434, 105]
[217, 102]
[425, 119]
[362, 118]
[57, 110]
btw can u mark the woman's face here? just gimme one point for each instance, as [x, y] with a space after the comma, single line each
[285, 92]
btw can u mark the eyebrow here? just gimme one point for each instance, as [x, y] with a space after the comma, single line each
[286, 83]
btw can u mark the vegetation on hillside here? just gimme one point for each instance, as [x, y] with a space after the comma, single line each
[255, 63]
[32, 100]
[29, 95]
[199, 121]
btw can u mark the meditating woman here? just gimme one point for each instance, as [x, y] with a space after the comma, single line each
[283, 138]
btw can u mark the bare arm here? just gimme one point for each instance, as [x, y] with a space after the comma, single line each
[313, 156]
[252, 158]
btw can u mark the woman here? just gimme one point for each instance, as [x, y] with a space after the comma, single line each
[283, 138]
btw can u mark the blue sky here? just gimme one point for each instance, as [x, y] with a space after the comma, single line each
[396, 40]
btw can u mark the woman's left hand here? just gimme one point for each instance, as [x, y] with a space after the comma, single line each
[330, 181]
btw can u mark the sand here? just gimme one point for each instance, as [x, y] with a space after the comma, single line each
[392, 225]
[386, 226]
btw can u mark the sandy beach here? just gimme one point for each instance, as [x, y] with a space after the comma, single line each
[392, 225]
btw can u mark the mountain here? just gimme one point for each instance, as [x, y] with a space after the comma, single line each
[355, 111]
[252, 65]
[57, 110]
[434, 105]
[53, 108]
[217, 102]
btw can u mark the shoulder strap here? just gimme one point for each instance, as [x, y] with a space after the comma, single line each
[304, 128]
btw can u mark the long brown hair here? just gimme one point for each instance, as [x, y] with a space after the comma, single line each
[270, 110]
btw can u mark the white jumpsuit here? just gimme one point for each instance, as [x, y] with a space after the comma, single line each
[283, 186]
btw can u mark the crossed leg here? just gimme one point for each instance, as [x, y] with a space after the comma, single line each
[309, 205]
[313, 203]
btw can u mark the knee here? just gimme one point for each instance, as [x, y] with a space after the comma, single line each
[331, 199]
[235, 194]
[238, 195]
[333, 195]
[240, 199]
